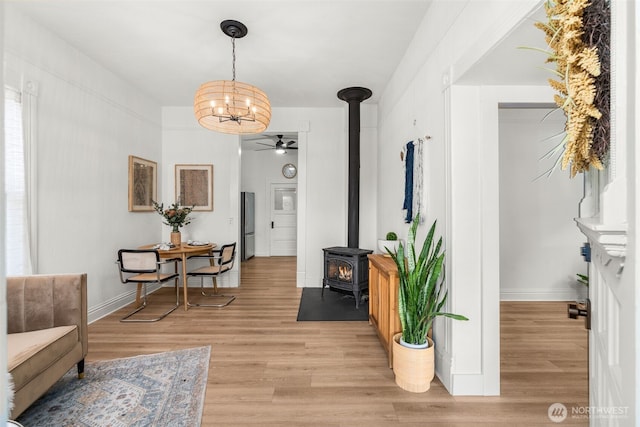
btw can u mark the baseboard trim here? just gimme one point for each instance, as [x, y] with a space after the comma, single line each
[305, 281]
[468, 385]
[533, 295]
[459, 384]
[443, 368]
[101, 310]
[300, 279]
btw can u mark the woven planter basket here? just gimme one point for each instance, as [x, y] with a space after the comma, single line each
[413, 368]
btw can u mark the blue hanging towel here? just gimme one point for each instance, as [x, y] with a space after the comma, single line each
[408, 183]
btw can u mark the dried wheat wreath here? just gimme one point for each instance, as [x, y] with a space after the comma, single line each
[578, 33]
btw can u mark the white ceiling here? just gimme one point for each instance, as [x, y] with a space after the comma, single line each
[516, 60]
[301, 53]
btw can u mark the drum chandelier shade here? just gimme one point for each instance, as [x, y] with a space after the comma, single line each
[230, 106]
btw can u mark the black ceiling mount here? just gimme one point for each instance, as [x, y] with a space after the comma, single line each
[357, 94]
[233, 28]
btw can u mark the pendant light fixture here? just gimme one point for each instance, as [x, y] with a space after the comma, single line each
[229, 106]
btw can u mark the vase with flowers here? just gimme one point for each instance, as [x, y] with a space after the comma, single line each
[175, 216]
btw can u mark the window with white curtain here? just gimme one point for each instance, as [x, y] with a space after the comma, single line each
[17, 247]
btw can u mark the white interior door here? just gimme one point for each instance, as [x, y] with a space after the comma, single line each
[284, 219]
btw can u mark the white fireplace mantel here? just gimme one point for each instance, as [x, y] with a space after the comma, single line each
[608, 243]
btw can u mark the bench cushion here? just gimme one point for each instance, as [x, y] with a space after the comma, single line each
[31, 353]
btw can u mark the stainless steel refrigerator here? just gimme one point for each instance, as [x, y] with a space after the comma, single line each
[247, 224]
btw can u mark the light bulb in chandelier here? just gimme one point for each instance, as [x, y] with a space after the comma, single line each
[230, 106]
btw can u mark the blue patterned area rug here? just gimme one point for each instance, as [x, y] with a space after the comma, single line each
[163, 389]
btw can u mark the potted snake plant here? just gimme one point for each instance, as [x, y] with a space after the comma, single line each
[421, 298]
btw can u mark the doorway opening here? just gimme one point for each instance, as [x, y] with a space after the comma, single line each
[269, 171]
[539, 256]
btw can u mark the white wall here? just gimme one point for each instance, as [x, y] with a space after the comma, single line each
[629, 389]
[184, 141]
[4, 412]
[539, 242]
[88, 122]
[259, 170]
[420, 100]
[322, 181]
[322, 178]
[411, 107]
[368, 176]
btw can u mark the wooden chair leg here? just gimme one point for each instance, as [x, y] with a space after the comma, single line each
[139, 294]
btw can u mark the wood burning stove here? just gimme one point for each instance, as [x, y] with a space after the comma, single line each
[346, 269]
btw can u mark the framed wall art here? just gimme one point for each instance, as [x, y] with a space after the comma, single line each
[194, 186]
[143, 184]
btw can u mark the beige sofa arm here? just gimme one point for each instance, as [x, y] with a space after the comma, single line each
[46, 301]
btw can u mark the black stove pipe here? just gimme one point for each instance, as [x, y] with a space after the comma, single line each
[354, 96]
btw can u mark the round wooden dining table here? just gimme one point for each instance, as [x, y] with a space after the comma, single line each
[183, 252]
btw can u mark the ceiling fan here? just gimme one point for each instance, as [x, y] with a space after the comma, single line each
[280, 146]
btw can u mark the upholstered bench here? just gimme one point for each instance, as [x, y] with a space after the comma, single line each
[46, 332]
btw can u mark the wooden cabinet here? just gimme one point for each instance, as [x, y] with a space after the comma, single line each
[383, 300]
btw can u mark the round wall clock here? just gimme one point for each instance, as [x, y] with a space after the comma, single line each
[289, 170]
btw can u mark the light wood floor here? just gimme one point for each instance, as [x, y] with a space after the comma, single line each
[267, 369]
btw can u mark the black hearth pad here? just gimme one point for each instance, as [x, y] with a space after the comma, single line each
[334, 306]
